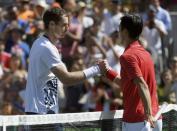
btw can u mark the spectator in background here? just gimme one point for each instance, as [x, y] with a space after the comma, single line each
[68, 5]
[72, 38]
[165, 90]
[153, 30]
[173, 67]
[26, 14]
[112, 17]
[19, 46]
[115, 51]
[12, 82]
[85, 20]
[4, 56]
[39, 6]
[98, 9]
[94, 42]
[75, 92]
[162, 14]
[11, 21]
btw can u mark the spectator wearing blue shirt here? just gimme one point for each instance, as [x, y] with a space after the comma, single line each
[162, 14]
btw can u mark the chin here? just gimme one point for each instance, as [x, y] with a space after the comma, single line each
[61, 35]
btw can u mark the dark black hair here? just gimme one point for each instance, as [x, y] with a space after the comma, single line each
[53, 14]
[133, 24]
[118, 2]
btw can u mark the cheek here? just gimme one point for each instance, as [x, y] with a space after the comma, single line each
[58, 30]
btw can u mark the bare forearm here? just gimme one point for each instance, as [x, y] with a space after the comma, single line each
[71, 78]
[68, 78]
[145, 96]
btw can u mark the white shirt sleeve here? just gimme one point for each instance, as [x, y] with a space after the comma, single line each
[161, 26]
[51, 57]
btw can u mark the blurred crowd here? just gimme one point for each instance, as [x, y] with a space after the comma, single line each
[93, 35]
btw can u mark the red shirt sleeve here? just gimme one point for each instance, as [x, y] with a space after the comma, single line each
[130, 65]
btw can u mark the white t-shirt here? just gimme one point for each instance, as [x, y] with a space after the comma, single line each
[41, 90]
[153, 36]
[112, 60]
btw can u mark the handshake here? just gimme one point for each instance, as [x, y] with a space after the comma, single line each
[102, 68]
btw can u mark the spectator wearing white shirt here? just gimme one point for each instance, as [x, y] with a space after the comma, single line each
[153, 30]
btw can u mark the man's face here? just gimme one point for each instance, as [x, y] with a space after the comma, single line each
[62, 27]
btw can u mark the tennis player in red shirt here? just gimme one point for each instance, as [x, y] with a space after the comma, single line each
[137, 79]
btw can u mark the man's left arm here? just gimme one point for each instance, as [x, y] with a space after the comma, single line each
[145, 97]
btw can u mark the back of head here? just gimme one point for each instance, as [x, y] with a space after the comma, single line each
[54, 14]
[133, 24]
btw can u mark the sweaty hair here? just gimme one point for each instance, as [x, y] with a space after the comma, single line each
[133, 24]
[53, 14]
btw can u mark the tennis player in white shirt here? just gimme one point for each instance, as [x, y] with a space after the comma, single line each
[46, 69]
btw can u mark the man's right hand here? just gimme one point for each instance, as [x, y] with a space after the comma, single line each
[104, 66]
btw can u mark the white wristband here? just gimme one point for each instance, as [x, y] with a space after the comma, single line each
[92, 71]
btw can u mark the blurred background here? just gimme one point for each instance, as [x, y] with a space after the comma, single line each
[93, 35]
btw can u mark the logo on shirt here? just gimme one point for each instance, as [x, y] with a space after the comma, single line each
[50, 93]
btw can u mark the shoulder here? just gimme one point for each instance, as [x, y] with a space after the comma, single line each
[127, 57]
[42, 43]
[164, 11]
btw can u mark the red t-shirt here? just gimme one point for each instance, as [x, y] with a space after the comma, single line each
[5, 59]
[136, 62]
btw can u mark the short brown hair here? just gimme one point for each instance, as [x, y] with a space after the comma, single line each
[54, 14]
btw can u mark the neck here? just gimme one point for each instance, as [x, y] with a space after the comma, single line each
[129, 41]
[51, 37]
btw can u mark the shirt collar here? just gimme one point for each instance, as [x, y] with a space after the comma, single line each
[133, 44]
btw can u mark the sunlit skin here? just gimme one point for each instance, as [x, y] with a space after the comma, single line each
[58, 30]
